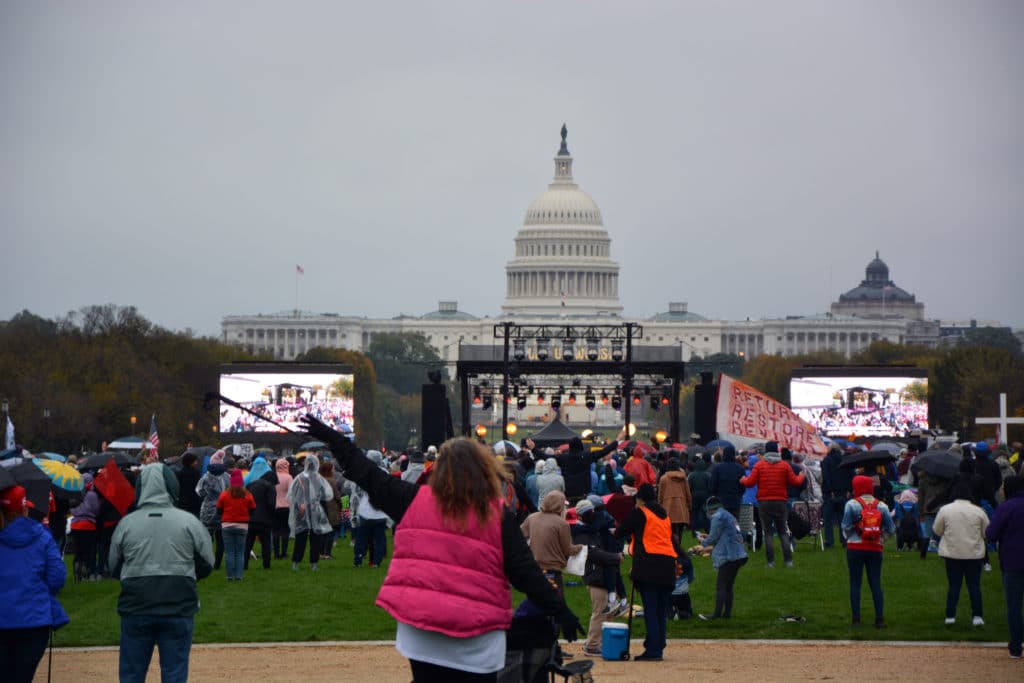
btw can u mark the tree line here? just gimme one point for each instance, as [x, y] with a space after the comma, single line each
[72, 383]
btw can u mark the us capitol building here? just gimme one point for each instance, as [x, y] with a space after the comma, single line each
[562, 273]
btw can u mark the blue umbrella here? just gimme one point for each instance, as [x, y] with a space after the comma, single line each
[52, 456]
[717, 443]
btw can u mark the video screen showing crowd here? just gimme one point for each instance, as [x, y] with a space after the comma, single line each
[878, 407]
[283, 399]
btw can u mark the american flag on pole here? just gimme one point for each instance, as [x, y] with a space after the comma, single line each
[154, 438]
[299, 270]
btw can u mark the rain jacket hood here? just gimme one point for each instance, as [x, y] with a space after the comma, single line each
[550, 466]
[553, 502]
[20, 532]
[259, 468]
[157, 486]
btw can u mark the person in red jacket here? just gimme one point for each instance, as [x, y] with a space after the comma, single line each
[235, 504]
[771, 476]
[641, 470]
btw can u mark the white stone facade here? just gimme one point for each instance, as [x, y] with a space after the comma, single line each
[562, 272]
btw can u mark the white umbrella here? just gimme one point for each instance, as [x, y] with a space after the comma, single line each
[130, 443]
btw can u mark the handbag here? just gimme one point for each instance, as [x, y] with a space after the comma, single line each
[577, 564]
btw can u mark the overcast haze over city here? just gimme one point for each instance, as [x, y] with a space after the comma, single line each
[748, 158]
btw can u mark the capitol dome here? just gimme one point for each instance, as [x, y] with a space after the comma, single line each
[563, 205]
[562, 265]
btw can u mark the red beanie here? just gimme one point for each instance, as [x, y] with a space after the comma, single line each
[863, 486]
[237, 480]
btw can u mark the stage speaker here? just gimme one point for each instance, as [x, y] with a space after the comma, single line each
[435, 416]
[704, 407]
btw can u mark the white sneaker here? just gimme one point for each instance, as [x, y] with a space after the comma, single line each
[987, 567]
[950, 621]
[978, 621]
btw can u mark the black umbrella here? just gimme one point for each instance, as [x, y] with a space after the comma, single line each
[941, 464]
[36, 483]
[889, 446]
[866, 459]
[201, 451]
[98, 460]
[6, 480]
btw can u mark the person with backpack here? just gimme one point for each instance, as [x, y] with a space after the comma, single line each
[961, 527]
[866, 524]
[908, 521]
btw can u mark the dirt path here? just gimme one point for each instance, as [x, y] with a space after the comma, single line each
[738, 661]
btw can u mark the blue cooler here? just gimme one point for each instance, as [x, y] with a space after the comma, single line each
[614, 640]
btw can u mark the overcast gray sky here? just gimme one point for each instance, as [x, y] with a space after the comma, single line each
[748, 157]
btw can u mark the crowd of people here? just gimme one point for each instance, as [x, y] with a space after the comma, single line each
[519, 518]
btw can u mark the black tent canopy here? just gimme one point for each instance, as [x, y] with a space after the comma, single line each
[553, 435]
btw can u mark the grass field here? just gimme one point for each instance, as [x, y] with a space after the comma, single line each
[336, 603]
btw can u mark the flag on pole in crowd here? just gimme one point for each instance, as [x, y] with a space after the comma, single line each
[299, 270]
[154, 438]
[10, 433]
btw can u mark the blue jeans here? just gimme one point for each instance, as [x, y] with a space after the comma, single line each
[1013, 587]
[368, 529]
[234, 551]
[656, 600]
[832, 509]
[956, 572]
[173, 635]
[859, 562]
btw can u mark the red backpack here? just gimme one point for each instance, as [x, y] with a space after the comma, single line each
[869, 528]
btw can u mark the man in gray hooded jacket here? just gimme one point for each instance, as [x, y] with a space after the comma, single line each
[159, 552]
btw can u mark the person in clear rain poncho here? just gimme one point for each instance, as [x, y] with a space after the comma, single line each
[307, 517]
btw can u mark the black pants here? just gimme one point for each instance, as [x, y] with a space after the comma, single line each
[85, 550]
[20, 652]
[218, 545]
[423, 672]
[723, 587]
[104, 536]
[316, 544]
[281, 533]
[261, 531]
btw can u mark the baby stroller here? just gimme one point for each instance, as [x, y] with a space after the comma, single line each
[533, 655]
[908, 526]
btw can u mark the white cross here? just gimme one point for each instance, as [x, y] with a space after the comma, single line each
[1002, 420]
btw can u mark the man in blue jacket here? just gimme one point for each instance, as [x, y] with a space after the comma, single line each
[1007, 529]
[159, 552]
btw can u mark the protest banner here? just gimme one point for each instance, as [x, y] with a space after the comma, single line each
[746, 416]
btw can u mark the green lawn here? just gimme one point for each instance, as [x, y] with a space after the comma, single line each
[336, 603]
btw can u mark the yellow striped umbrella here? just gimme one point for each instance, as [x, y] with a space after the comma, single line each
[63, 476]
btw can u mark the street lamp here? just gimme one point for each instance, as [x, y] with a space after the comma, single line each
[132, 420]
[481, 431]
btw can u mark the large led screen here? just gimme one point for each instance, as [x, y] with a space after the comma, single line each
[861, 401]
[283, 393]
